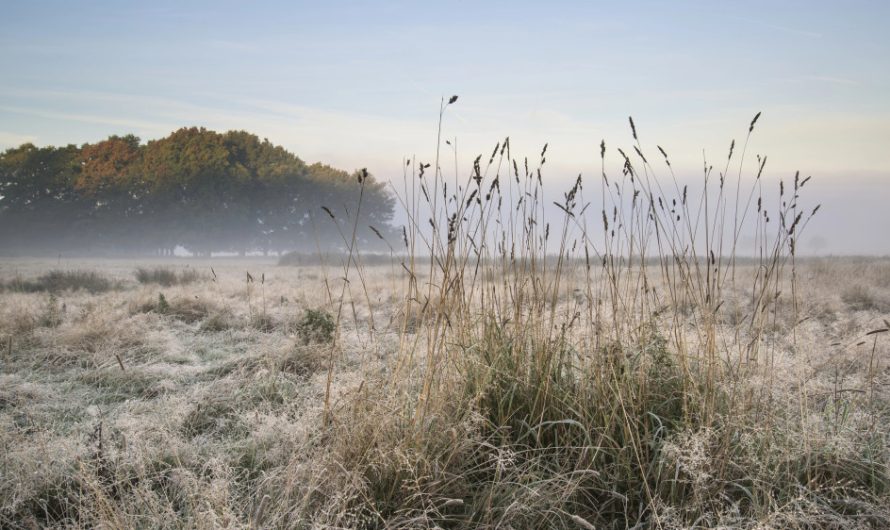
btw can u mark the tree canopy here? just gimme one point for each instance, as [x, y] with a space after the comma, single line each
[198, 189]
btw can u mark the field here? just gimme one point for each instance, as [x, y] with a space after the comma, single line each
[185, 395]
[412, 265]
[657, 357]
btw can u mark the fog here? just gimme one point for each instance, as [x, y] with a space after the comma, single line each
[851, 220]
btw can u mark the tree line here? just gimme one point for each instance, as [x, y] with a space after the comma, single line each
[197, 189]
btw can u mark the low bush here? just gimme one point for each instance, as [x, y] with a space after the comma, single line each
[58, 280]
[166, 277]
[316, 326]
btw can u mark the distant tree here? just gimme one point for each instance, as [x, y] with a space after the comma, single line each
[39, 204]
[33, 177]
[110, 180]
[340, 191]
[108, 165]
[196, 188]
[268, 180]
[186, 174]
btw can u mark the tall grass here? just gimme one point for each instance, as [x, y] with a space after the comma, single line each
[579, 371]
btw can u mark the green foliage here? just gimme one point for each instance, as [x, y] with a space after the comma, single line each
[199, 189]
[166, 277]
[57, 281]
[316, 326]
[163, 306]
[52, 314]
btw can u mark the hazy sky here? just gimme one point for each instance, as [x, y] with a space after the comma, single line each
[357, 84]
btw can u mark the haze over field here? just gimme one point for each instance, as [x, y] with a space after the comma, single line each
[355, 84]
[463, 265]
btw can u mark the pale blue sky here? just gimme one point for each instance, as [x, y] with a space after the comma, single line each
[358, 83]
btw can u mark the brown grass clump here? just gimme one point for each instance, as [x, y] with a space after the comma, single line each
[301, 360]
[220, 320]
[117, 384]
[212, 416]
[183, 308]
[265, 323]
[861, 298]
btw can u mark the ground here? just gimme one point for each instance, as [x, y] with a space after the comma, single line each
[129, 403]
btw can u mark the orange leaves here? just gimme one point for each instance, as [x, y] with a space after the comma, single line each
[108, 164]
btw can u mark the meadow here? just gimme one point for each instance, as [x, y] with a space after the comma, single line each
[210, 412]
[625, 364]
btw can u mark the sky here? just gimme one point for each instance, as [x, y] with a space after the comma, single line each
[358, 84]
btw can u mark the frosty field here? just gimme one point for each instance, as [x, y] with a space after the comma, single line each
[201, 404]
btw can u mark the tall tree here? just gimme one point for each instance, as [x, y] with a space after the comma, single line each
[39, 204]
[110, 179]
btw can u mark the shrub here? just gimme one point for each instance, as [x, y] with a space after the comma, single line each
[304, 259]
[57, 281]
[166, 277]
[316, 326]
[52, 313]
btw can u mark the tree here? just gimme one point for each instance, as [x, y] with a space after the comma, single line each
[39, 205]
[109, 179]
[108, 165]
[196, 188]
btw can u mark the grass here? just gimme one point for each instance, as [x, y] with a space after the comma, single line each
[187, 309]
[514, 434]
[166, 277]
[117, 384]
[617, 365]
[605, 384]
[861, 298]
